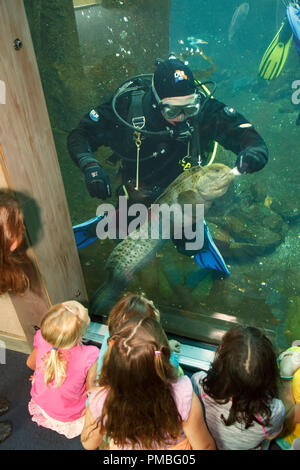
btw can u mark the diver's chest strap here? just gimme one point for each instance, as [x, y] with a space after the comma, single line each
[135, 111]
[195, 147]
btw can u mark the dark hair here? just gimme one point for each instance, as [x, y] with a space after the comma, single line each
[139, 409]
[244, 372]
[130, 306]
[12, 263]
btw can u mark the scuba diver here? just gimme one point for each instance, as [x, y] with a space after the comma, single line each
[277, 52]
[159, 125]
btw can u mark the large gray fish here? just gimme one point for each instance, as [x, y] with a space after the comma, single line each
[238, 19]
[199, 185]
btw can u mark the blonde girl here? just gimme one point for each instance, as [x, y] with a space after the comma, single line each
[64, 369]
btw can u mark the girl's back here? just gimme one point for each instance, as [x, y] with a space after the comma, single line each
[236, 436]
[63, 369]
[240, 390]
[182, 392]
[141, 402]
[66, 402]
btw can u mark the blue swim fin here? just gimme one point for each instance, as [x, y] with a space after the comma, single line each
[293, 14]
[209, 256]
[85, 233]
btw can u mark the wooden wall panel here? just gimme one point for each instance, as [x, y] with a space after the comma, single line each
[9, 322]
[31, 166]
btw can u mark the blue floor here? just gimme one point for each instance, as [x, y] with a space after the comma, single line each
[26, 435]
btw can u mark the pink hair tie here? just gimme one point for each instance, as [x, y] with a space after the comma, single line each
[157, 353]
[69, 309]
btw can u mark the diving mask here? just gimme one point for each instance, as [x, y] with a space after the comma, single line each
[170, 111]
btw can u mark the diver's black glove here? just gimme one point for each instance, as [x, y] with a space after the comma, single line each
[97, 181]
[249, 161]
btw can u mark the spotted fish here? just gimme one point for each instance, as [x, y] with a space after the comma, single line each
[198, 185]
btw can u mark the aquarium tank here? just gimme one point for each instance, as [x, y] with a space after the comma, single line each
[86, 48]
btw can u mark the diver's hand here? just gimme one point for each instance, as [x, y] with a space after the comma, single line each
[289, 362]
[97, 181]
[248, 161]
[174, 345]
[235, 171]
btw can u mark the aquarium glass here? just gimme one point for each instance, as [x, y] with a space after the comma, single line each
[86, 49]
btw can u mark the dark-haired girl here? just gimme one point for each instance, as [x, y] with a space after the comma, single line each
[239, 391]
[133, 306]
[141, 403]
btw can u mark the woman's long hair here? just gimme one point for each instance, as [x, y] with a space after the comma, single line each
[130, 306]
[62, 327]
[12, 263]
[244, 372]
[139, 409]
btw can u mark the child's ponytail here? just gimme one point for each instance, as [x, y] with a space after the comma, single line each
[161, 359]
[56, 368]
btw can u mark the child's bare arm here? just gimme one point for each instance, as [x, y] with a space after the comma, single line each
[292, 410]
[195, 428]
[31, 361]
[91, 436]
[91, 376]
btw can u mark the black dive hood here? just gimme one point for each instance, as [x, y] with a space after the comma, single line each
[182, 130]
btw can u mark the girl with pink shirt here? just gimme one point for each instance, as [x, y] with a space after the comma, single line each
[141, 403]
[64, 369]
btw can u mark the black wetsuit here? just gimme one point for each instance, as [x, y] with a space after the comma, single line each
[160, 154]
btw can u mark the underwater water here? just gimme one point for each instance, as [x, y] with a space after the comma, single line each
[89, 49]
